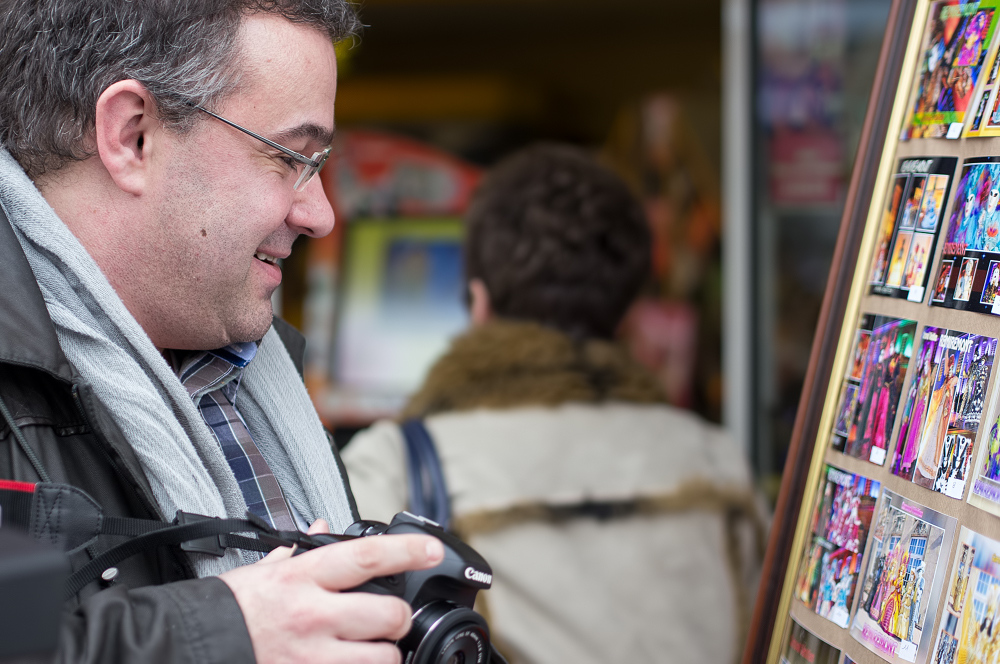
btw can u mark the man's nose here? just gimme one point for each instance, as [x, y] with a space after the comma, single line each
[311, 212]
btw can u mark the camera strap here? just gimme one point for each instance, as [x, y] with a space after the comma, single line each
[427, 488]
[68, 519]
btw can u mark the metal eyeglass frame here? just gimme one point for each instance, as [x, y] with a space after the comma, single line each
[312, 166]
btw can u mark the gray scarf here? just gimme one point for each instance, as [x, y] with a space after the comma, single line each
[181, 457]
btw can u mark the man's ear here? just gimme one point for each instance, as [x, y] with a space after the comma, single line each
[125, 121]
[480, 309]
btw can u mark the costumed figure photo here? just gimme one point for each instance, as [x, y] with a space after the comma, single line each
[912, 205]
[916, 262]
[967, 229]
[992, 284]
[929, 218]
[879, 426]
[918, 593]
[890, 621]
[991, 221]
[963, 287]
[874, 582]
[931, 81]
[991, 468]
[899, 253]
[969, 631]
[879, 388]
[954, 413]
[881, 262]
[975, 34]
[828, 571]
[913, 420]
[944, 278]
[939, 412]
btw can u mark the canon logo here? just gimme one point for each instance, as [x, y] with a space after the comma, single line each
[474, 574]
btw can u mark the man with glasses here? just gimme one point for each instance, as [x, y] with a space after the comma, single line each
[306, 167]
[153, 173]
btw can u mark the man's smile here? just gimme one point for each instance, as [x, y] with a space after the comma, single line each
[267, 258]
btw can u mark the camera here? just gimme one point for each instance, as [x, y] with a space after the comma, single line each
[445, 628]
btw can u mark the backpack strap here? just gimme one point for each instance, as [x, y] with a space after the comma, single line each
[427, 488]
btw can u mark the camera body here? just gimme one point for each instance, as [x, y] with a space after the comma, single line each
[445, 629]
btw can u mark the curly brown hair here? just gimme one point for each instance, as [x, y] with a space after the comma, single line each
[558, 239]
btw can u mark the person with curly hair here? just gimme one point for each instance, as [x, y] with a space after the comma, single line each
[619, 529]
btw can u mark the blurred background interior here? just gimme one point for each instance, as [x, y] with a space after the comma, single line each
[736, 122]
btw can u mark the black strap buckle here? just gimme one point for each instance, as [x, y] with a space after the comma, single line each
[210, 545]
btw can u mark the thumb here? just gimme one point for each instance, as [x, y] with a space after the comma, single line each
[319, 527]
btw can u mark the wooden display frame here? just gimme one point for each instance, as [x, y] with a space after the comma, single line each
[846, 298]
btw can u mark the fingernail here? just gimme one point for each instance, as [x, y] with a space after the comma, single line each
[435, 550]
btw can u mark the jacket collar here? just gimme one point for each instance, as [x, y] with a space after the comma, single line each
[27, 336]
[510, 364]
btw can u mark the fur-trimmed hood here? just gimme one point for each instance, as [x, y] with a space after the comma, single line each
[510, 364]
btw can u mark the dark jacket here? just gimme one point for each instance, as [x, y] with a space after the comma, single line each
[157, 611]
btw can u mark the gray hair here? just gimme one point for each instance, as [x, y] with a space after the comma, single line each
[58, 56]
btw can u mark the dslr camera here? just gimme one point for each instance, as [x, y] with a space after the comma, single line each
[445, 628]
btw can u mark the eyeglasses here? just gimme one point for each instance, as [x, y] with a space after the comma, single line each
[312, 166]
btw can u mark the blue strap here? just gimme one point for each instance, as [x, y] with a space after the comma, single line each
[428, 491]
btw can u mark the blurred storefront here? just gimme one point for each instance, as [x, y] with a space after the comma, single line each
[436, 91]
[813, 64]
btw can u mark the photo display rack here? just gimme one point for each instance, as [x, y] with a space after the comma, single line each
[885, 545]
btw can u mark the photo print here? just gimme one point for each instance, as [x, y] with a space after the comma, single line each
[828, 573]
[911, 205]
[969, 630]
[986, 121]
[981, 106]
[862, 339]
[842, 425]
[910, 226]
[943, 410]
[956, 40]
[985, 491]
[867, 412]
[888, 228]
[942, 283]
[900, 250]
[992, 284]
[966, 275]
[972, 239]
[804, 647]
[917, 261]
[898, 599]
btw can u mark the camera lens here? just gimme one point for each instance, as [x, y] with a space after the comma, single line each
[445, 633]
[465, 644]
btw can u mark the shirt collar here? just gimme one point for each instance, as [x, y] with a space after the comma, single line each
[204, 371]
[239, 355]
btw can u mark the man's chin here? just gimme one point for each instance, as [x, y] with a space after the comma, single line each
[214, 329]
[252, 330]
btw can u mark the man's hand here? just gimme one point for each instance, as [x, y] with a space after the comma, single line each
[294, 612]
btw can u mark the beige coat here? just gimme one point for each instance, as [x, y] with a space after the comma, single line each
[666, 579]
